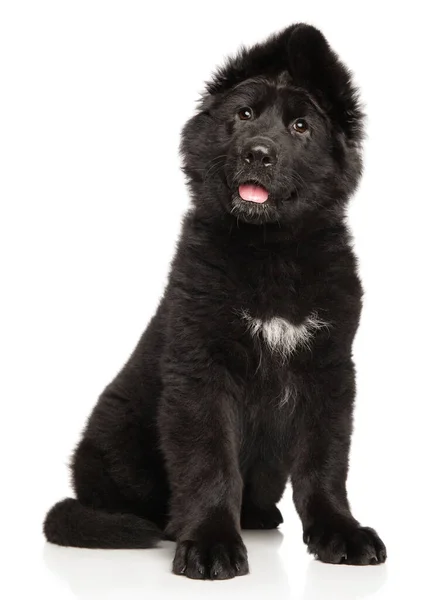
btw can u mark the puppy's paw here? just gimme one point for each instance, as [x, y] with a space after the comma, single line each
[351, 545]
[253, 517]
[211, 559]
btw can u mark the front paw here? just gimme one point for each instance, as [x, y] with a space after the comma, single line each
[213, 558]
[253, 517]
[351, 545]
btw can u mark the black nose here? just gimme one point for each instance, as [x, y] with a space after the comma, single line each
[259, 152]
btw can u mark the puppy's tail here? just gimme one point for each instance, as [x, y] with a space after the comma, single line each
[70, 523]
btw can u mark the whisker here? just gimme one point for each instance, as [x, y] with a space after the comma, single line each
[215, 163]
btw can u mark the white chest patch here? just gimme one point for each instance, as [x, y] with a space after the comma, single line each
[282, 336]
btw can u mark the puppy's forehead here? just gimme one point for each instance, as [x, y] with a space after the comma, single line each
[281, 80]
[284, 79]
[279, 90]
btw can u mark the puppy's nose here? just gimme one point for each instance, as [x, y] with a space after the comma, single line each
[259, 152]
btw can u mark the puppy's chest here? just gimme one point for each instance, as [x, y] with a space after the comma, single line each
[279, 310]
[280, 335]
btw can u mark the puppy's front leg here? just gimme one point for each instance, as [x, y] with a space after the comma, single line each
[199, 439]
[319, 472]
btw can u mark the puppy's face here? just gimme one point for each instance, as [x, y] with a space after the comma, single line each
[278, 134]
[277, 147]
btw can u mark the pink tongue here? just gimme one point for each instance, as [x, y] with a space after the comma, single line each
[253, 193]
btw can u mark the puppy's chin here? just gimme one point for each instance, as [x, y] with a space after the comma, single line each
[252, 212]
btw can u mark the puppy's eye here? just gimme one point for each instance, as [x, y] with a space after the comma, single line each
[245, 113]
[300, 125]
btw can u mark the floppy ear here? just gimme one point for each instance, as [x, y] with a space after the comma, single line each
[315, 67]
[302, 51]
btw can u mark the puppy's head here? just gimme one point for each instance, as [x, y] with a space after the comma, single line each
[277, 134]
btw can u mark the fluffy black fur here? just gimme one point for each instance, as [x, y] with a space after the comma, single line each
[202, 429]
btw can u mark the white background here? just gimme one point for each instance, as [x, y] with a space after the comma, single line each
[93, 97]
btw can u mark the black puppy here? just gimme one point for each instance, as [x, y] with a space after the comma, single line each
[244, 378]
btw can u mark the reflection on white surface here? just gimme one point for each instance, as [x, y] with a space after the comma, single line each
[131, 574]
[134, 573]
[342, 582]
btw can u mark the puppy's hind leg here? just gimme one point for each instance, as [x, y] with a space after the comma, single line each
[264, 487]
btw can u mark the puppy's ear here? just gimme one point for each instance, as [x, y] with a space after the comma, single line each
[315, 67]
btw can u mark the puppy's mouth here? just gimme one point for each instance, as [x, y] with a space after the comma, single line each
[254, 203]
[253, 192]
